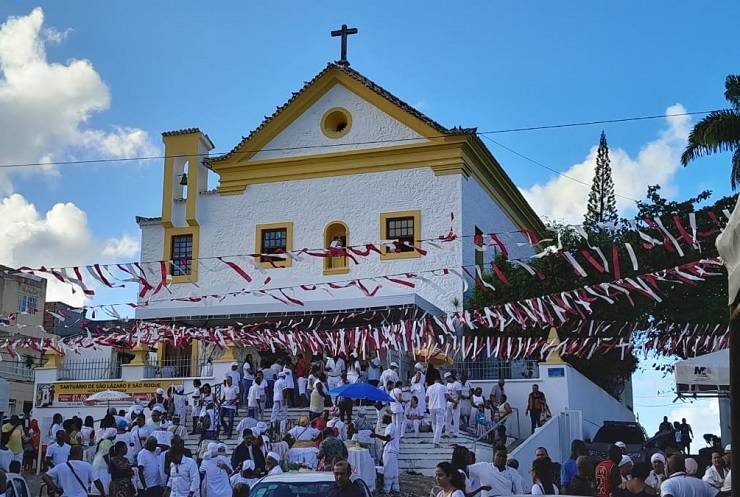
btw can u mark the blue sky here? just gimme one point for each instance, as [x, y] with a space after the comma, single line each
[494, 65]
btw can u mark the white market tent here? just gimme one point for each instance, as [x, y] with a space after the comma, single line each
[704, 376]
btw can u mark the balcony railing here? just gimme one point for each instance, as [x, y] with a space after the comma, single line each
[492, 369]
[168, 368]
[15, 370]
[90, 369]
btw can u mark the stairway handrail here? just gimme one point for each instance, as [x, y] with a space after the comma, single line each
[515, 414]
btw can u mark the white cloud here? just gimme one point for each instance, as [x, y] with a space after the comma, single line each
[657, 161]
[124, 247]
[44, 110]
[44, 106]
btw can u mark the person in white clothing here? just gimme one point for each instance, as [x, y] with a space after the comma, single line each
[373, 372]
[255, 396]
[248, 372]
[451, 481]
[353, 371]
[495, 478]
[334, 368]
[716, 472]
[390, 374]
[452, 415]
[436, 402]
[414, 415]
[229, 400]
[74, 477]
[279, 410]
[184, 478]
[289, 384]
[246, 476]
[542, 482]
[418, 385]
[150, 475]
[272, 463]
[391, 448]
[397, 408]
[58, 453]
[216, 468]
[139, 434]
[337, 423]
[679, 484]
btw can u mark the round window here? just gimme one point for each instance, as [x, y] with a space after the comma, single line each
[336, 122]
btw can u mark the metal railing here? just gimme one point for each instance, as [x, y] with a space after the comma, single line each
[492, 369]
[168, 368]
[89, 369]
[508, 421]
[16, 370]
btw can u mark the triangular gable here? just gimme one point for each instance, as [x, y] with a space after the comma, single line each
[415, 123]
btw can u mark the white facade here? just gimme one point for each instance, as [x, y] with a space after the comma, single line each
[227, 223]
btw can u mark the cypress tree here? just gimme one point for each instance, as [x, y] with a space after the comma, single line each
[602, 206]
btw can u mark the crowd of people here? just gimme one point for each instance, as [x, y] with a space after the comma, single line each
[141, 451]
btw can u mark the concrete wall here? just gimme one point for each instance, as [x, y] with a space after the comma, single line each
[548, 436]
[228, 227]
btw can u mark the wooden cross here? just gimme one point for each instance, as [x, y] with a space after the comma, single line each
[344, 32]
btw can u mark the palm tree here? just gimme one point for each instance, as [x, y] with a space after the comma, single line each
[719, 131]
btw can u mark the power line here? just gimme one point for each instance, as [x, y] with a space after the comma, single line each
[370, 142]
[552, 169]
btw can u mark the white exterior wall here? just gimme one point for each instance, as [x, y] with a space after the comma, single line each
[228, 226]
[369, 124]
[479, 209]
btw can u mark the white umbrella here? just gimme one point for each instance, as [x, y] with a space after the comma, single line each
[107, 396]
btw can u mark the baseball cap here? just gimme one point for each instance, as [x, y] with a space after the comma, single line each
[394, 364]
[621, 445]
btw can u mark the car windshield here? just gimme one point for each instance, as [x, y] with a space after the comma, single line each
[292, 489]
[627, 434]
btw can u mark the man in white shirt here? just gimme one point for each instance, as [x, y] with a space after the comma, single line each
[248, 372]
[139, 433]
[236, 377]
[73, 477]
[436, 402]
[452, 416]
[373, 372]
[289, 385]
[391, 448]
[279, 411]
[679, 484]
[496, 478]
[397, 407]
[254, 398]
[184, 479]
[58, 452]
[229, 398]
[390, 375]
[334, 368]
[149, 471]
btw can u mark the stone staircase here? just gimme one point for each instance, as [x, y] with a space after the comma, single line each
[418, 453]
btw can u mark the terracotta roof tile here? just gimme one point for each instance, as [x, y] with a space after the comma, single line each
[186, 131]
[366, 82]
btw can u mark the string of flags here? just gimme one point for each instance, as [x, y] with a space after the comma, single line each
[465, 334]
[153, 277]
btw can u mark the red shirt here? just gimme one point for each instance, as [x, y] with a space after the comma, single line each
[604, 485]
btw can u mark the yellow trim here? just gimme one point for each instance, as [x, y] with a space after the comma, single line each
[288, 226]
[167, 252]
[335, 270]
[181, 147]
[385, 216]
[308, 97]
[194, 354]
[330, 133]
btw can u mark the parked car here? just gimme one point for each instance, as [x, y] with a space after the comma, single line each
[17, 486]
[298, 484]
[631, 433]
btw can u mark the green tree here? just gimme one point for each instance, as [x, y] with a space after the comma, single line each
[719, 131]
[703, 303]
[602, 206]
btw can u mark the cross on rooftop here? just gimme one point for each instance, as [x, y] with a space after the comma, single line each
[344, 32]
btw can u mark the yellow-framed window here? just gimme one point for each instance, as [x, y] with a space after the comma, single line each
[404, 227]
[274, 238]
[181, 252]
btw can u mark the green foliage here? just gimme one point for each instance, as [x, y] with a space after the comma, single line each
[719, 131]
[602, 206]
[703, 303]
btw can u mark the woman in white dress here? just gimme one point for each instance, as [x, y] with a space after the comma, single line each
[418, 386]
[465, 404]
[304, 450]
